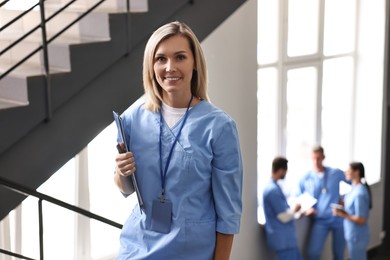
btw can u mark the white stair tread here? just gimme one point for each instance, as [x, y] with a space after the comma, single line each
[60, 40]
[108, 6]
[26, 70]
[7, 103]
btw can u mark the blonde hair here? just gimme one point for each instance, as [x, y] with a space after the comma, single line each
[153, 91]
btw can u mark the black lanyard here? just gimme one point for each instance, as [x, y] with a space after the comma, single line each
[163, 174]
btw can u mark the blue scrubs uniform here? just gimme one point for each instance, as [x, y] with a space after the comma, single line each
[326, 190]
[357, 203]
[203, 182]
[281, 237]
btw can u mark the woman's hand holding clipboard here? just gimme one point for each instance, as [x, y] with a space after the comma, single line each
[124, 149]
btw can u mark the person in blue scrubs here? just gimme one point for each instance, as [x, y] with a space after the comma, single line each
[280, 227]
[357, 205]
[185, 155]
[323, 184]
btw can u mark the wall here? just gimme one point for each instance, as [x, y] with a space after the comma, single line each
[231, 59]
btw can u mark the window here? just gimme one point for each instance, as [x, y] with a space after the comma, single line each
[320, 80]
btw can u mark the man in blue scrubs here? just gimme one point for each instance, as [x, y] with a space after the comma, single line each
[279, 227]
[323, 184]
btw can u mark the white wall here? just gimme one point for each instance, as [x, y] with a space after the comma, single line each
[231, 59]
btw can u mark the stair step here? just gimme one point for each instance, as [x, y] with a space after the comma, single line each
[13, 92]
[58, 50]
[92, 28]
[98, 20]
[13, 87]
[136, 6]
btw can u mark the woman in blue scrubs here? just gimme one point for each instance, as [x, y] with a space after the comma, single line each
[185, 155]
[357, 205]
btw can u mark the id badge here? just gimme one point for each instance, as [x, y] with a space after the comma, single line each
[161, 216]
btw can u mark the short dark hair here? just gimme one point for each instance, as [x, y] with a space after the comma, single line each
[318, 149]
[279, 163]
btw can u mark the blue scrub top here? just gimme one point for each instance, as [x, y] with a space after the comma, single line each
[312, 183]
[280, 236]
[357, 203]
[203, 182]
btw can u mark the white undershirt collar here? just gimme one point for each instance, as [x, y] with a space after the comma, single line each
[172, 115]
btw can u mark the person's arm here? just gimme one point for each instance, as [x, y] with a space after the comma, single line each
[288, 215]
[223, 246]
[361, 205]
[353, 218]
[226, 188]
[125, 166]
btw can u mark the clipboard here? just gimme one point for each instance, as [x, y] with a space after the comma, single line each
[121, 134]
[338, 207]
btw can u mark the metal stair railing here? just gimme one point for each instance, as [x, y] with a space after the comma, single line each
[45, 40]
[43, 197]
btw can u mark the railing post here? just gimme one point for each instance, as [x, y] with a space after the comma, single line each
[40, 213]
[46, 61]
[127, 27]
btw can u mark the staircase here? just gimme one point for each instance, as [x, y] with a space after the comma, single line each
[93, 28]
[51, 109]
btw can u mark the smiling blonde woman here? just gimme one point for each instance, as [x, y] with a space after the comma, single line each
[185, 155]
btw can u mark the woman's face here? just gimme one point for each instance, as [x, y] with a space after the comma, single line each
[351, 174]
[174, 64]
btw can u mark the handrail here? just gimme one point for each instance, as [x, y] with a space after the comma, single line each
[9, 70]
[6, 252]
[21, 189]
[18, 17]
[44, 43]
[55, 36]
[4, 2]
[46, 65]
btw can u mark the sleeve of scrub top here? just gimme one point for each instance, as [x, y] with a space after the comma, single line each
[361, 206]
[286, 216]
[227, 179]
[277, 202]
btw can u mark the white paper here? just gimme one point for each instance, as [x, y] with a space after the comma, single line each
[306, 201]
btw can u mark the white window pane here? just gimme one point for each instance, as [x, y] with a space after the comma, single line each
[302, 27]
[372, 30]
[110, 203]
[300, 121]
[58, 226]
[101, 163]
[369, 88]
[61, 184]
[267, 96]
[339, 31]
[30, 228]
[267, 34]
[337, 98]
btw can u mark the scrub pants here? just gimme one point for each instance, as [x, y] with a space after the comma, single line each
[319, 233]
[357, 251]
[289, 254]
